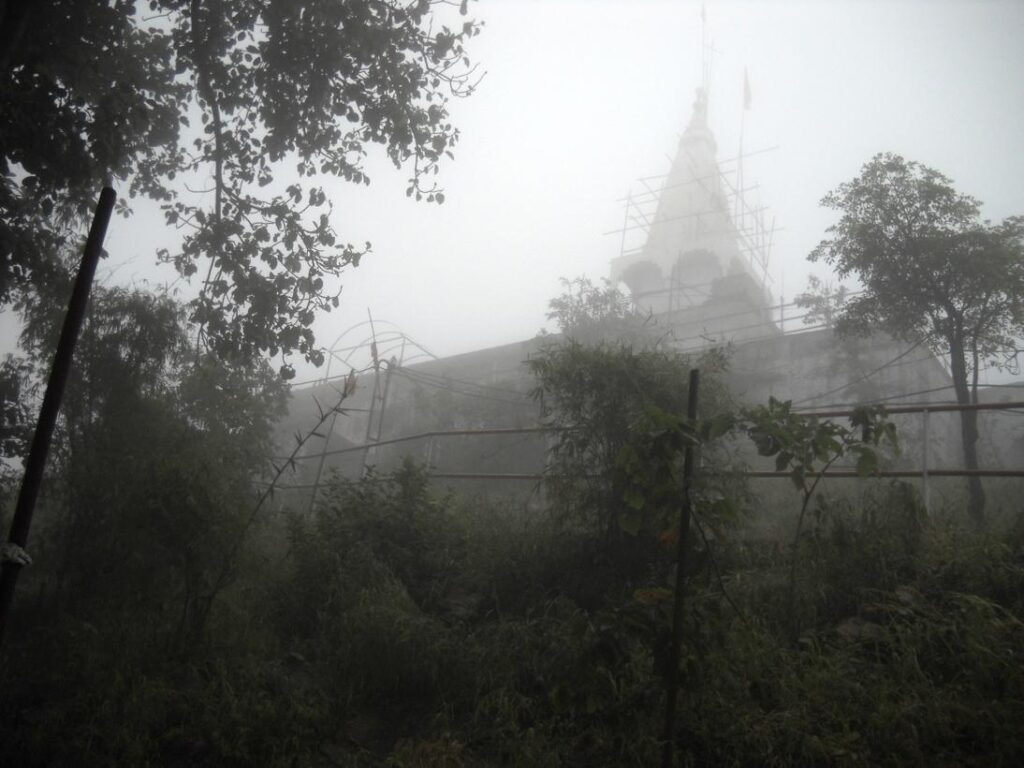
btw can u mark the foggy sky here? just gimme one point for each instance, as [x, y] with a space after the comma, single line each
[582, 97]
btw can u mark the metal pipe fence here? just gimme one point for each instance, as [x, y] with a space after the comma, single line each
[925, 473]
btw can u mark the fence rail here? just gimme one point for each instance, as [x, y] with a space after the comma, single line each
[922, 408]
[926, 473]
[770, 474]
[766, 474]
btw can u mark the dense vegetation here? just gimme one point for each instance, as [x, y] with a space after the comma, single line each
[400, 627]
[164, 623]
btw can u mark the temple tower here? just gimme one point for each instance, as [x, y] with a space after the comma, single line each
[696, 269]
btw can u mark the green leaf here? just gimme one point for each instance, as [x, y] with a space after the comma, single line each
[724, 508]
[867, 462]
[718, 426]
[782, 460]
[634, 498]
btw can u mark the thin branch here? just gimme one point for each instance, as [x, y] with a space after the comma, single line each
[808, 493]
[229, 561]
[718, 572]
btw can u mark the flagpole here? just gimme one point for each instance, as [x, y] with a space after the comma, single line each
[704, 74]
[743, 126]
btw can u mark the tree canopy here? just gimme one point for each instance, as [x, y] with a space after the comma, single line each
[226, 95]
[933, 270]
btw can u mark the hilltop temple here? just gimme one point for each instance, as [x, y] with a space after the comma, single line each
[701, 276]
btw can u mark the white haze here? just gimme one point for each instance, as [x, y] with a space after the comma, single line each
[582, 97]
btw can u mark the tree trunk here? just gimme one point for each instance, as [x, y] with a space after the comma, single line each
[968, 430]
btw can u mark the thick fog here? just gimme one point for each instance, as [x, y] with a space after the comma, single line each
[674, 531]
[579, 98]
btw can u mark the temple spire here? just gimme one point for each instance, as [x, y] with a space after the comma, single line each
[698, 125]
[694, 267]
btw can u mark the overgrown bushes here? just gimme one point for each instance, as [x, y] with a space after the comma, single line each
[894, 668]
[403, 627]
[395, 625]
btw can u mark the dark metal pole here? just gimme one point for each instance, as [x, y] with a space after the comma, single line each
[36, 462]
[672, 683]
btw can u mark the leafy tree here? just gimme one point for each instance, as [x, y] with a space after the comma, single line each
[589, 313]
[597, 386]
[84, 90]
[592, 396]
[823, 302]
[151, 478]
[807, 447]
[88, 88]
[598, 399]
[932, 270]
